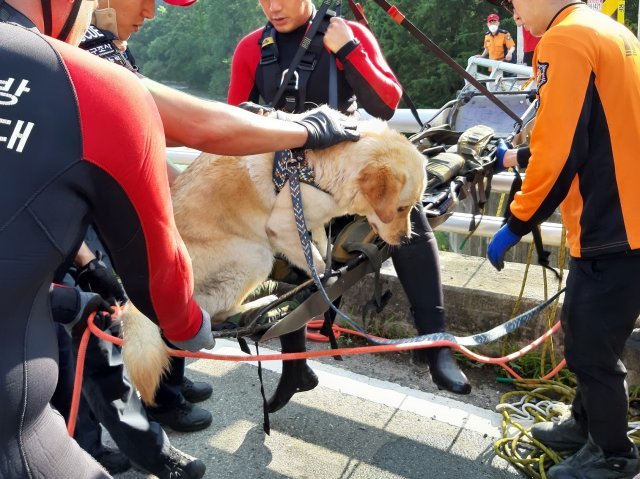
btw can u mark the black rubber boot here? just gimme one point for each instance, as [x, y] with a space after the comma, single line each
[296, 376]
[418, 267]
[444, 369]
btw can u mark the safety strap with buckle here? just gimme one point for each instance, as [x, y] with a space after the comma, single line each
[288, 162]
[291, 86]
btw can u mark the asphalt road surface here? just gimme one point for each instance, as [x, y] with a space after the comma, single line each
[350, 426]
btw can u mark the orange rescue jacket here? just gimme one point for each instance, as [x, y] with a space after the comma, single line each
[497, 45]
[585, 145]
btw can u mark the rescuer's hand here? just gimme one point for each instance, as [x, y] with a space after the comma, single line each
[325, 130]
[72, 309]
[96, 277]
[503, 240]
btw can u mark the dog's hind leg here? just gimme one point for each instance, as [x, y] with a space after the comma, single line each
[226, 276]
[320, 239]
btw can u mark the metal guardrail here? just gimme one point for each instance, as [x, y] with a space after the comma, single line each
[404, 121]
[498, 69]
[456, 223]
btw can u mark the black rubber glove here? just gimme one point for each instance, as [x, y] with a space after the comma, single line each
[325, 130]
[72, 308]
[97, 277]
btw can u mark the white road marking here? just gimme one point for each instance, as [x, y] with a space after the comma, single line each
[440, 408]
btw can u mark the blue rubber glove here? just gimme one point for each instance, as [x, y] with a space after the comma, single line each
[500, 151]
[500, 244]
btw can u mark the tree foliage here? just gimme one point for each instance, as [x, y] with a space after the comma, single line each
[194, 45]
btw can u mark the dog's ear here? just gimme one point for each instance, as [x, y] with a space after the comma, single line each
[382, 191]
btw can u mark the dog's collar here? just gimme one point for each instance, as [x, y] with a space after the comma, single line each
[288, 162]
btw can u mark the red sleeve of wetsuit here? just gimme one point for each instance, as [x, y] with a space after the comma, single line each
[243, 69]
[123, 136]
[376, 87]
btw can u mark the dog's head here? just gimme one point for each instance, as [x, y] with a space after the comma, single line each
[381, 176]
[389, 182]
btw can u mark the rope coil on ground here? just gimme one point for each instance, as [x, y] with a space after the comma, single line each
[535, 402]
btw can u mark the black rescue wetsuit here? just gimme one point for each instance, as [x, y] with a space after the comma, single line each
[111, 400]
[61, 169]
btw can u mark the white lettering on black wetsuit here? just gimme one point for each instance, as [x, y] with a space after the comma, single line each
[59, 171]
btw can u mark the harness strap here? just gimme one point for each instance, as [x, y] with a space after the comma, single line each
[269, 60]
[47, 16]
[327, 328]
[333, 68]
[376, 257]
[289, 162]
[543, 255]
[295, 90]
[309, 62]
[304, 45]
[266, 423]
[71, 20]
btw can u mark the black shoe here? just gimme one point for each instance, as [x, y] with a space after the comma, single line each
[195, 391]
[565, 435]
[296, 376]
[178, 465]
[111, 459]
[444, 369]
[590, 462]
[183, 418]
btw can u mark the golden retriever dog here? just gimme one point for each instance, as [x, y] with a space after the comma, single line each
[233, 223]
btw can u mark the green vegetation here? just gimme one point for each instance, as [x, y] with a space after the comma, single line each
[194, 45]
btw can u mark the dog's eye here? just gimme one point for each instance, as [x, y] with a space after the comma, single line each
[403, 209]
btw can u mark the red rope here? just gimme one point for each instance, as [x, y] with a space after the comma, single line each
[77, 382]
[313, 331]
[502, 361]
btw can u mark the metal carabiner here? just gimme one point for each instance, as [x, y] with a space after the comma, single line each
[295, 78]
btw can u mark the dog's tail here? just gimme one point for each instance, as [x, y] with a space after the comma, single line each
[144, 353]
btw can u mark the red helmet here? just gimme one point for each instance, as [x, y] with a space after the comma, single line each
[181, 3]
[493, 18]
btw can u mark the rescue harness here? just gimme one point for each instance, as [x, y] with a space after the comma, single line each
[291, 84]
